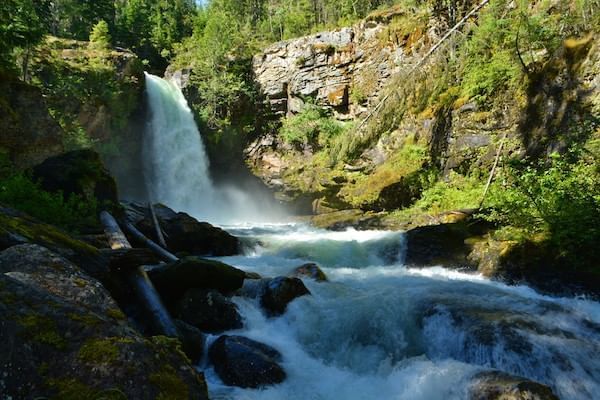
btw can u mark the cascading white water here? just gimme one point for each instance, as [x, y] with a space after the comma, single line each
[176, 167]
[378, 330]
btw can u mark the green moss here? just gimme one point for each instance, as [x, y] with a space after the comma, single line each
[367, 187]
[86, 319]
[70, 389]
[169, 384]
[101, 351]
[42, 330]
[116, 314]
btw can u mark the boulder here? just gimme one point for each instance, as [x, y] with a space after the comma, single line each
[209, 311]
[310, 270]
[183, 233]
[192, 341]
[173, 280]
[79, 172]
[496, 385]
[274, 293]
[38, 267]
[56, 344]
[246, 363]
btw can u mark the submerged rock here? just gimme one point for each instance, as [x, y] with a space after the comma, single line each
[496, 385]
[310, 270]
[274, 293]
[79, 172]
[246, 363]
[209, 311]
[183, 233]
[176, 278]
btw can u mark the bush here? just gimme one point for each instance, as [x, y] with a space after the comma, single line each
[73, 214]
[557, 198]
[311, 125]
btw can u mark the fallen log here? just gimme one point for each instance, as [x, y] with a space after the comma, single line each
[159, 232]
[139, 236]
[148, 296]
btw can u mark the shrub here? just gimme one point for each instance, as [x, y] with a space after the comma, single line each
[558, 198]
[311, 125]
[73, 214]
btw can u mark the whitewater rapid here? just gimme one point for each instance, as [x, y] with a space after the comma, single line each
[378, 330]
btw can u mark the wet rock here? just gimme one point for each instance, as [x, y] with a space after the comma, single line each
[79, 172]
[310, 270]
[176, 278]
[274, 293]
[496, 385]
[183, 233]
[37, 266]
[246, 363]
[209, 311]
[192, 341]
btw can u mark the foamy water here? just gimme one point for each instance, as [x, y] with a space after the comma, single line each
[377, 330]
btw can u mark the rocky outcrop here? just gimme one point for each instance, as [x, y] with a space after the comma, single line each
[81, 173]
[29, 133]
[183, 233]
[341, 70]
[495, 385]
[242, 362]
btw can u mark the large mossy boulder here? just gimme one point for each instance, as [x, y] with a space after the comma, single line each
[496, 385]
[81, 173]
[57, 343]
[274, 294]
[182, 232]
[209, 311]
[173, 280]
[243, 362]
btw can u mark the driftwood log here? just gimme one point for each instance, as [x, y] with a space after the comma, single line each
[144, 289]
[139, 236]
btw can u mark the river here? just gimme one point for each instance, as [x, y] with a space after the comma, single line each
[378, 330]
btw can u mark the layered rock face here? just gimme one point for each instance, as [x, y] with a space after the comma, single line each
[341, 70]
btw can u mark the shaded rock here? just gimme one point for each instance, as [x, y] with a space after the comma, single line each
[253, 275]
[209, 311]
[496, 385]
[52, 346]
[183, 233]
[310, 270]
[18, 228]
[79, 172]
[246, 363]
[192, 341]
[29, 133]
[274, 293]
[177, 278]
[38, 267]
[445, 244]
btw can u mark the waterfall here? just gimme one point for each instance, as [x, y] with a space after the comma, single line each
[176, 167]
